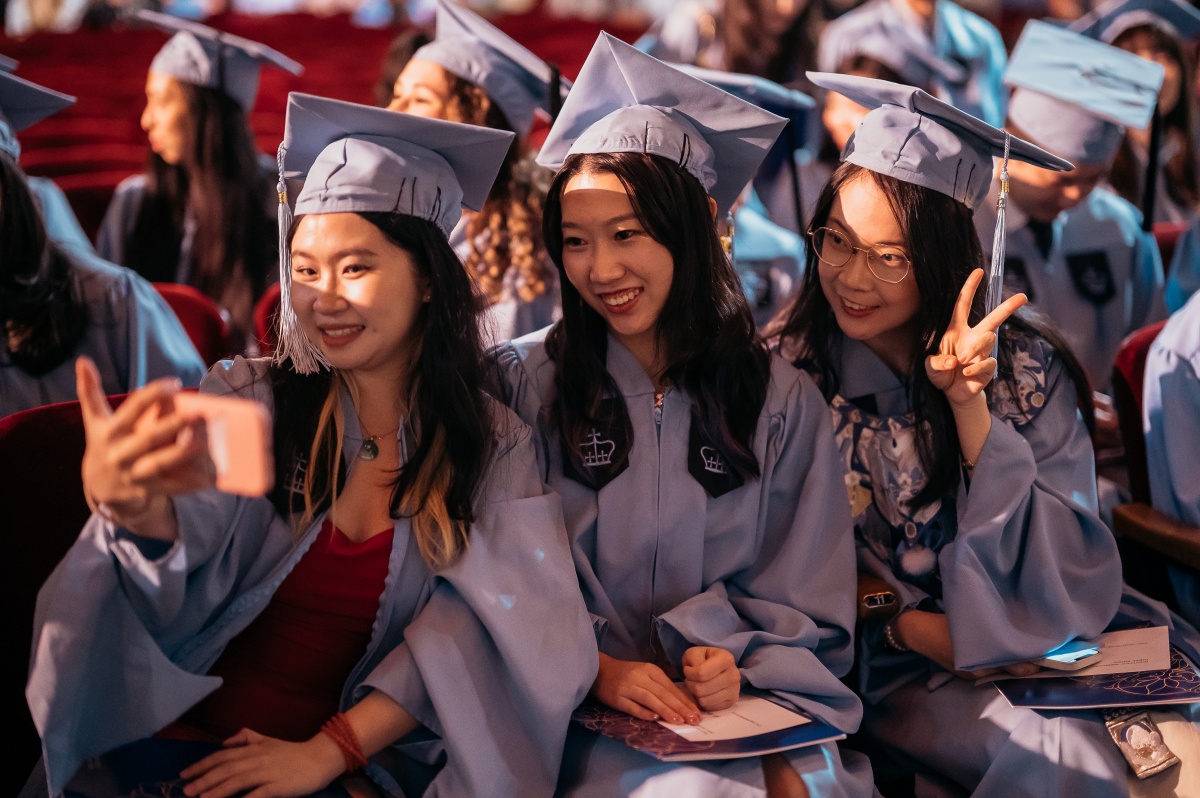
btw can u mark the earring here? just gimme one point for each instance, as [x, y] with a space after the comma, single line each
[727, 239]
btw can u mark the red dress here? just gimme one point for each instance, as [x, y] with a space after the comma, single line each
[285, 672]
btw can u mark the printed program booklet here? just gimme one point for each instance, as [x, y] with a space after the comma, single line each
[752, 727]
[1117, 681]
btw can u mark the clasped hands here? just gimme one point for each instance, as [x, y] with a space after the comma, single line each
[711, 681]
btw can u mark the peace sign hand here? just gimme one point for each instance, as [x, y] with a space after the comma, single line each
[964, 365]
[140, 454]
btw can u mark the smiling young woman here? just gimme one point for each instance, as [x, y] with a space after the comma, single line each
[406, 503]
[694, 469]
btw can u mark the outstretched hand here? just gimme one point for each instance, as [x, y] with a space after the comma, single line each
[964, 365]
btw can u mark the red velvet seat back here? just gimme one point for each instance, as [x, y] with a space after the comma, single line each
[265, 313]
[44, 509]
[1129, 372]
[201, 318]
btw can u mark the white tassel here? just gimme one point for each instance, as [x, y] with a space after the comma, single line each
[292, 343]
[995, 287]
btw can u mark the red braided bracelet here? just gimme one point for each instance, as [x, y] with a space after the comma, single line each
[341, 732]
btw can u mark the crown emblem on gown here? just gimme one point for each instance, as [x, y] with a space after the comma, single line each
[597, 451]
[713, 462]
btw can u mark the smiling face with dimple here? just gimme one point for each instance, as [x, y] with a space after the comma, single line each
[358, 296]
[619, 270]
[867, 309]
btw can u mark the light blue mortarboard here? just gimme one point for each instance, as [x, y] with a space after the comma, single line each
[627, 101]
[1075, 96]
[22, 104]
[357, 159]
[1113, 18]
[912, 136]
[480, 53]
[206, 57]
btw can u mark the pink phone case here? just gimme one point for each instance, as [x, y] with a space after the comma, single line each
[239, 440]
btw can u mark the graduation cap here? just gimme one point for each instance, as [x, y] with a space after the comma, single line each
[515, 79]
[894, 45]
[915, 137]
[627, 101]
[22, 104]
[8, 64]
[1075, 95]
[792, 105]
[356, 158]
[1113, 18]
[206, 57]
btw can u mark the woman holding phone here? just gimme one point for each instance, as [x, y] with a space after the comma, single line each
[286, 639]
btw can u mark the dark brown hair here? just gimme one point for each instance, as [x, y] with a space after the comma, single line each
[784, 59]
[509, 226]
[1179, 125]
[41, 308]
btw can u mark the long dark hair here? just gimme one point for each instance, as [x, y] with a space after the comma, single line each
[784, 59]
[450, 420]
[940, 237]
[706, 327]
[41, 309]
[1183, 185]
[220, 183]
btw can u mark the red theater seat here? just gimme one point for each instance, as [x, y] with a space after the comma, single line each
[265, 313]
[201, 318]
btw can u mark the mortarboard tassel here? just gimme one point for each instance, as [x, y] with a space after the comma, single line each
[555, 99]
[995, 287]
[1150, 190]
[292, 343]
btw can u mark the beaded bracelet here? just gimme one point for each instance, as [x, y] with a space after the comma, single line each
[889, 635]
[341, 732]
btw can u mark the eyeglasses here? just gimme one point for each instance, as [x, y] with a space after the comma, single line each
[889, 264]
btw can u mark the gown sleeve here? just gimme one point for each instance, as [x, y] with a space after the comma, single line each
[788, 618]
[502, 652]
[1149, 285]
[119, 219]
[112, 618]
[1031, 565]
[1171, 406]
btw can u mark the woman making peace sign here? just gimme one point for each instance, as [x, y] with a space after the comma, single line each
[970, 481]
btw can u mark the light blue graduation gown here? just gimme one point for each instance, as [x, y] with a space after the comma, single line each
[61, 225]
[958, 35]
[1183, 277]
[120, 219]
[1102, 280]
[511, 317]
[1171, 418]
[490, 653]
[131, 334]
[768, 258]
[765, 571]
[1018, 560]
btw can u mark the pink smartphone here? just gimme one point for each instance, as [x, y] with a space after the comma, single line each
[239, 440]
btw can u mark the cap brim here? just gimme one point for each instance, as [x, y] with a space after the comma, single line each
[25, 103]
[454, 20]
[872, 93]
[256, 50]
[473, 152]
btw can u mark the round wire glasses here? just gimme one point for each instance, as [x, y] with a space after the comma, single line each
[889, 264]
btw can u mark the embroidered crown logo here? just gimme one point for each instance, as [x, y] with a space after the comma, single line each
[597, 451]
[713, 462]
